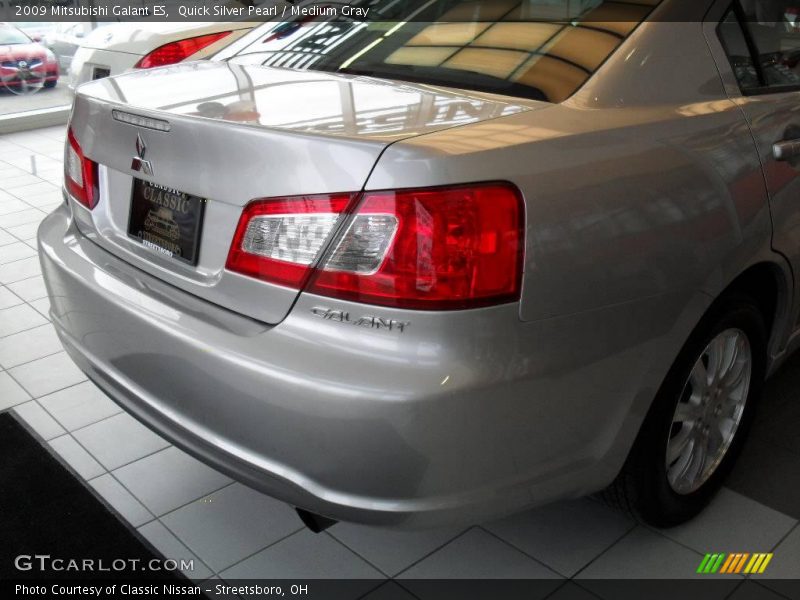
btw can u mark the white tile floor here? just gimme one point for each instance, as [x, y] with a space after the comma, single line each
[188, 510]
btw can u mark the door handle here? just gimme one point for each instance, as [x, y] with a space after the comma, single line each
[786, 150]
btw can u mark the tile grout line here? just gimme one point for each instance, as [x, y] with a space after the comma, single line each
[11, 262]
[366, 595]
[788, 533]
[139, 500]
[766, 587]
[184, 505]
[16, 260]
[82, 426]
[507, 543]
[148, 455]
[106, 418]
[33, 360]
[183, 543]
[604, 551]
[189, 547]
[2, 337]
[249, 556]
[434, 551]
[15, 380]
[735, 589]
[570, 582]
[34, 398]
[85, 479]
[353, 552]
[14, 212]
[10, 291]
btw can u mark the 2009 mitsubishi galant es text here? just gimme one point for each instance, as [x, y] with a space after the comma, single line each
[420, 269]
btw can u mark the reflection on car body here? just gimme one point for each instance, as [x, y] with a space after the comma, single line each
[159, 222]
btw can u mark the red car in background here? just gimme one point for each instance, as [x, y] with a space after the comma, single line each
[23, 62]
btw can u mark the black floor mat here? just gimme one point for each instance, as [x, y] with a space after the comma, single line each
[45, 510]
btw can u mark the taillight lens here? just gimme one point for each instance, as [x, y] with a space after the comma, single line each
[431, 249]
[280, 240]
[80, 173]
[434, 249]
[175, 52]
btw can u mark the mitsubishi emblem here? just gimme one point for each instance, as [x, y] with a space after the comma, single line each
[139, 163]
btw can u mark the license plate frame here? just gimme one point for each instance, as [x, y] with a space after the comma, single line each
[166, 221]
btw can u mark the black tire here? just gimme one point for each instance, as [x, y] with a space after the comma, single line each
[642, 488]
[50, 84]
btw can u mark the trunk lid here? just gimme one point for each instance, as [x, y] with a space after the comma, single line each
[239, 133]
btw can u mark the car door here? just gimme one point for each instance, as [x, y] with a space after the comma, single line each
[756, 44]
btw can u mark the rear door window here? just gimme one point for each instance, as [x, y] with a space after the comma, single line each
[762, 41]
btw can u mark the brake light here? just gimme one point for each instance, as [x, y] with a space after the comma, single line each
[175, 52]
[434, 249]
[80, 173]
[279, 240]
[431, 249]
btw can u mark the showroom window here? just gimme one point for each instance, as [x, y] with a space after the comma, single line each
[34, 65]
[762, 41]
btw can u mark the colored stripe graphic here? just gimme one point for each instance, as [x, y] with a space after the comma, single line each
[767, 559]
[740, 564]
[709, 564]
[735, 563]
[754, 563]
[717, 564]
[731, 560]
[731, 565]
[704, 563]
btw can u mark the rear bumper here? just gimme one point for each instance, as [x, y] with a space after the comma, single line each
[460, 417]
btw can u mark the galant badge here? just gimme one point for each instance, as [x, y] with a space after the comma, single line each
[139, 163]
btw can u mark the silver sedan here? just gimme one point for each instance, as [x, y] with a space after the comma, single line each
[446, 264]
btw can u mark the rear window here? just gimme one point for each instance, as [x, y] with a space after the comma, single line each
[538, 49]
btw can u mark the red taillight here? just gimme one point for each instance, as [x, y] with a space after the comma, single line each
[175, 52]
[451, 248]
[279, 240]
[80, 173]
[431, 249]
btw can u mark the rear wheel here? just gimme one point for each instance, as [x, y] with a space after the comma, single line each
[696, 427]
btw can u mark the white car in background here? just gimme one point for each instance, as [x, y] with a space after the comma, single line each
[65, 38]
[120, 47]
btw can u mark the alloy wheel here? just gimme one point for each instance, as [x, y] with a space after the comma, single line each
[709, 411]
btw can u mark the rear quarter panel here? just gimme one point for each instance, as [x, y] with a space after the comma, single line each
[627, 196]
[644, 199]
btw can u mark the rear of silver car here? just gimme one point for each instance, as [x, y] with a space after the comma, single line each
[315, 342]
[342, 407]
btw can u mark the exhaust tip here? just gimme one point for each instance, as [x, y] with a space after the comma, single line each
[316, 523]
